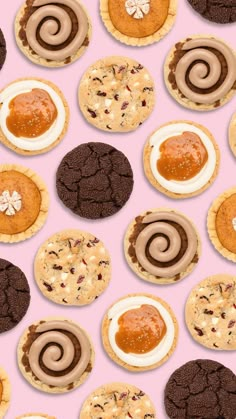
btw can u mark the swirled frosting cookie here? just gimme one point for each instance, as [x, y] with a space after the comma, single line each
[139, 332]
[232, 134]
[222, 11]
[5, 392]
[162, 246]
[181, 159]
[23, 203]
[14, 295]
[200, 73]
[55, 355]
[3, 49]
[221, 224]
[94, 180]
[138, 22]
[117, 400]
[210, 312]
[35, 416]
[201, 389]
[52, 33]
[116, 94]
[72, 268]
[34, 116]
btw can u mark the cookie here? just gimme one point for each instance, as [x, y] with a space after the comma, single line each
[201, 389]
[52, 33]
[34, 116]
[200, 72]
[117, 400]
[223, 11]
[23, 203]
[221, 224]
[162, 246]
[232, 134]
[181, 159]
[3, 49]
[35, 416]
[210, 312]
[116, 94]
[139, 332]
[138, 22]
[5, 392]
[14, 295]
[72, 268]
[94, 180]
[55, 355]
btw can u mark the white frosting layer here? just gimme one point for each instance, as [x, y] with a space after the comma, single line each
[198, 181]
[44, 140]
[158, 353]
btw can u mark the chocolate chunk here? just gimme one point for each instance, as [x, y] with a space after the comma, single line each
[14, 295]
[201, 389]
[3, 49]
[221, 11]
[94, 180]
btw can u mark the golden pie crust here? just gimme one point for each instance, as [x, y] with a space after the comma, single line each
[5, 392]
[26, 221]
[138, 32]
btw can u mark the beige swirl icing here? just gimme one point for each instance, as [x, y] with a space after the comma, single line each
[53, 25]
[56, 351]
[203, 69]
[163, 242]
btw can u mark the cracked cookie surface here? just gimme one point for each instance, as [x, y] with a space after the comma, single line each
[201, 389]
[14, 295]
[221, 11]
[94, 180]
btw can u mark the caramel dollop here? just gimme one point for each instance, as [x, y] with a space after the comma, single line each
[182, 157]
[31, 114]
[140, 330]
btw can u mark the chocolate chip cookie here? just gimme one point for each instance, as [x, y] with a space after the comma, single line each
[14, 295]
[222, 11]
[3, 49]
[94, 180]
[201, 389]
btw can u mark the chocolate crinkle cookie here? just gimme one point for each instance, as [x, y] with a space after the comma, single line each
[201, 389]
[221, 11]
[3, 49]
[14, 295]
[94, 180]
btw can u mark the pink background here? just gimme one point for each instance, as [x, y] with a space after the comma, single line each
[111, 230]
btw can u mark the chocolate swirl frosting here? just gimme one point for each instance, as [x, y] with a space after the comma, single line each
[49, 30]
[199, 72]
[166, 245]
[52, 355]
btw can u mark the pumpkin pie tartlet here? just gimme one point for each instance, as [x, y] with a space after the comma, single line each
[24, 203]
[181, 159]
[232, 134]
[221, 224]
[5, 393]
[138, 22]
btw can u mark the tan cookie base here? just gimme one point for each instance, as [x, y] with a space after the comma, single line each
[232, 134]
[42, 216]
[145, 275]
[138, 42]
[18, 150]
[176, 94]
[35, 58]
[38, 384]
[41, 415]
[211, 224]
[114, 357]
[6, 393]
[148, 171]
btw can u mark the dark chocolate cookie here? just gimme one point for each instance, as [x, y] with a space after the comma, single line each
[221, 11]
[14, 295]
[94, 180]
[3, 49]
[201, 389]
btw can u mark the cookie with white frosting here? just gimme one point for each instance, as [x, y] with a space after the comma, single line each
[181, 159]
[139, 332]
[34, 116]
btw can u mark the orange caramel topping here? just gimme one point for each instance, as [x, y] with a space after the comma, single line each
[31, 114]
[140, 330]
[182, 157]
